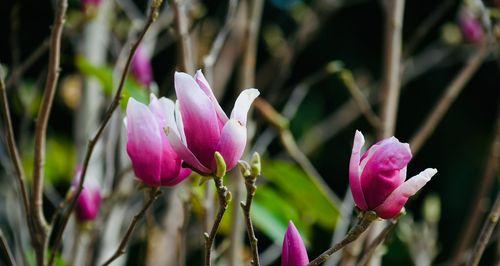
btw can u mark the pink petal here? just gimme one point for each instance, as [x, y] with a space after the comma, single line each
[293, 252]
[232, 143]
[141, 68]
[143, 142]
[183, 174]
[381, 174]
[185, 154]
[355, 171]
[203, 83]
[88, 204]
[242, 105]
[394, 203]
[201, 126]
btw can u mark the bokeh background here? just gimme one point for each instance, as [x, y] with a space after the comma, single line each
[351, 38]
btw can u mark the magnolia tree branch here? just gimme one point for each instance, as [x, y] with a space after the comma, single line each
[392, 67]
[368, 252]
[364, 221]
[182, 25]
[107, 116]
[224, 196]
[39, 223]
[448, 97]
[153, 195]
[250, 173]
[484, 237]
[18, 72]
[13, 151]
[7, 253]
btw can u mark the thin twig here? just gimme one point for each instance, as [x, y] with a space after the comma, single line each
[290, 145]
[368, 252]
[360, 99]
[253, 20]
[107, 116]
[392, 67]
[13, 151]
[484, 237]
[7, 253]
[212, 57]
[470, 227]
[224, 197]
[448, 97]
[250, 180]
[363, 223]
[182, 25]
[153, 195]
[39, 222]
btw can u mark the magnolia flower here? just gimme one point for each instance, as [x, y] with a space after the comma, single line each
[293, 252]
[202, 126]
[471, 27]
[154, 161]
[141, 68]
[377, 178]
[89, 202]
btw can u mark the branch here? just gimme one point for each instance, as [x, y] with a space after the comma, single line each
[212, 57]
[182, 25]
[7, 253]
[39, 223]
[107, 116]
[484, 237]
[13, 151]
[376, 242]
[254, 15]
[448, 97]
[18, 72]
[288, 141]
[153, 195]
[250, 173]
[485, 185]
[360, 99]
[224, 197]
[392, 68]
[364, 221]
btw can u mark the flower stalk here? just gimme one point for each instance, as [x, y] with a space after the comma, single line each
[224, 196]
[250, 173]
[364, 221]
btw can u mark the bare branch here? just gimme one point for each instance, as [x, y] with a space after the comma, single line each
[7, 253]
[182, 25]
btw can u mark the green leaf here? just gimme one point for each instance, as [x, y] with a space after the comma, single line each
[297, 188]
[271, 214]
[104, 75]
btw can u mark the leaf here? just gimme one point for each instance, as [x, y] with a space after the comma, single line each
[295, 186]
[104, 75]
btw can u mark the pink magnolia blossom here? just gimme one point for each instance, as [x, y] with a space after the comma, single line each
[141, 68]
[293, 252]
[377, 178]
[154, 161]
[202, 126]
[471, 27]
[88, 203]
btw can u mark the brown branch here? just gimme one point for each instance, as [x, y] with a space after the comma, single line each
[250, 173]
[368, 252]
[484, 237]
[360, 99]
[392, 67]
[224, 198]
[182, 25]
[485, 185]
[290, 145]
[155, 6]
[212, 57]
[448, 97]
[153, 195]
[253, 20]
[363, 223]
[7, 253]
[13, 151]
[39, 222]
